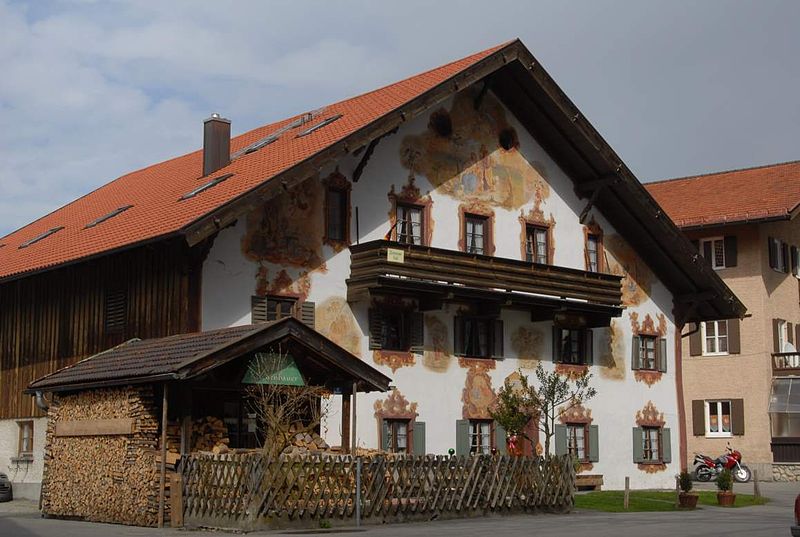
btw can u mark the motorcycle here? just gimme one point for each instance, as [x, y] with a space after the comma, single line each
[707, 468]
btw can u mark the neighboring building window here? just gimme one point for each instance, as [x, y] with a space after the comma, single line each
[577, 436]
[713, 250]
[395, 329]
[536, 244]
[475, 234]
[647, 352]
[25, 438]
[572, 346]
[410, 224]
[715, 337]
[478, 337]
[778, 255]
[718, 418]
[481, 437]
[651, 444]
[593, 253]
[397, 436]
[272, 308]
[336, 214]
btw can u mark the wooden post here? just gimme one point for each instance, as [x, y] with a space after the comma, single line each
[162, 480]
[756, 488]
[346, 422]
[353, 436]
[626, 499]
[176, 501]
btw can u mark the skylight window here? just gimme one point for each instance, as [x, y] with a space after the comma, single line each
[263, 142]
[108, 216]
[203, 188]
[319, 125]
[41, 237]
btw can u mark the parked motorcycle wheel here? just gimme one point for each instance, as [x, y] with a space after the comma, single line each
[703, 474]
[742, 474]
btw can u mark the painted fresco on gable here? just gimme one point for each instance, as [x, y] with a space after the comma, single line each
[612, 352]
[283, 284]
[335, 320]
[636, 275]
[528, 343]
[437, 356]
[474, 154]
[288, 229]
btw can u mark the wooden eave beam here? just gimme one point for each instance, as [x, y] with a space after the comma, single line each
[368, 154]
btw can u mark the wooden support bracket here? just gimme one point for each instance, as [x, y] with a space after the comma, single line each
[368, 153]
[482, 93]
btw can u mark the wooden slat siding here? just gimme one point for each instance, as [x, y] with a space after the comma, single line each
[368, 262]
[53, 319]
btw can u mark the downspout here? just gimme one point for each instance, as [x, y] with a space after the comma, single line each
[682, 437]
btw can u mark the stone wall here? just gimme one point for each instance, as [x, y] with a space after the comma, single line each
[108, 478]
[786, 472]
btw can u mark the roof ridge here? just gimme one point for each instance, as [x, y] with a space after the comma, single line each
[721, 172]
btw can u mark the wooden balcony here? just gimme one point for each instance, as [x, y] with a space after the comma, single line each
[786, 363]
[446, 275]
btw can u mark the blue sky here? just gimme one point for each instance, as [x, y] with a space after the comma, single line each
[91, 90]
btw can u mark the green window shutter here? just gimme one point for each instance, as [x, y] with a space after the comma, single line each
[458, 336]
[588, 347]
[375, 328]
[419, 438]
[737, 416]
[730, 250]
[307, 314]
[556, 344]
[500, 439]
[696, 341]
[561, 439]
[462, 437]
[497, 339]
[666, 446]
[662, 355]
[594, 444]
[638, 446]
[385, 435]
[635, 361]
[417, 331]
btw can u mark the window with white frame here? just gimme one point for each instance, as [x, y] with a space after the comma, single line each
[577, 437]
[715, 337]
[713, 249]
[25, 439]
[783, 336]
[651, 444]
[718, 418]
[481, 439]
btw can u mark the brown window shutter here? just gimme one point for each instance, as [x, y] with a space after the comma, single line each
[737, 416]
[375, 328]
[797, 333]
[773, 252]
[734, 337]
[258, 309]
[775, 335]
[417, 331]
[708, 252]
[785, 256]
[730, 251]
[699, 417]
[793, 256]
[307, 314]
[696, 341]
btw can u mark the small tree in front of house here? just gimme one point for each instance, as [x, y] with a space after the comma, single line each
[518, 404]
[283, 410]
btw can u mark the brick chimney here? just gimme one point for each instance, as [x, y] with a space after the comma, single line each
[216, 143]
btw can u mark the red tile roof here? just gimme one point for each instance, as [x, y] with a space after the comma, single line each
[735, 196]
[154, 192]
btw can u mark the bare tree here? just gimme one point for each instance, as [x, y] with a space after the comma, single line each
[283, 411]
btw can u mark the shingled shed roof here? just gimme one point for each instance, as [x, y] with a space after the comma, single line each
[186, 356]
[757, 194]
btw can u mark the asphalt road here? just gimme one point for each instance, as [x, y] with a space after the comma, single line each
[19, 519]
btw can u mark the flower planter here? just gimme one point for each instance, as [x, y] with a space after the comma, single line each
[687, 500]
[726, 499]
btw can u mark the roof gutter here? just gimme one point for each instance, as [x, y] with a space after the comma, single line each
[31, 390]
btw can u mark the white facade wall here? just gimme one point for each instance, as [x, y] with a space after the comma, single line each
[26, 477]
[436, 382]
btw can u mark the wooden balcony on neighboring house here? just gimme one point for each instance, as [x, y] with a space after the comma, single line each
[786, 363]
[436, 275]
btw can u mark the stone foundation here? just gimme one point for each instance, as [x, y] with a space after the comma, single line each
[786, 471]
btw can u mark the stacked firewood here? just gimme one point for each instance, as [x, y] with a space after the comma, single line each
[210, 434]
[303, 441]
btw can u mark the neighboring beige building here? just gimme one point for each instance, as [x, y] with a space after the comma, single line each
[741, 379]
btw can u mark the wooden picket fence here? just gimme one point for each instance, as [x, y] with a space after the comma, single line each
[249, 491]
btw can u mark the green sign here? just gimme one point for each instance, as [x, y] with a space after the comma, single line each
[273, 369]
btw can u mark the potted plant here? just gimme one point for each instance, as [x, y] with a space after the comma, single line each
[725, 495]
[686, 499]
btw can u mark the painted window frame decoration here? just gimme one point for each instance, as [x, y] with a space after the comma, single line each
[716, 337]
[478, 429]
[25, 441]
[652, 440]
[593, 234]
[401, 233]
[578, 444]
[652, 445]
[536, 250]
[472, 220]
[644, 343]
[257, 303]
[582, 337]
[337, 184]
[411, 197]
[467, 336]
[715, 418]
[393, 436]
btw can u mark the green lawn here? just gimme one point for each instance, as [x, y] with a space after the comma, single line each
[611, 500]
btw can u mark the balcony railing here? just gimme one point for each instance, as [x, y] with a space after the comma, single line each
[385, 264]
[786, 363]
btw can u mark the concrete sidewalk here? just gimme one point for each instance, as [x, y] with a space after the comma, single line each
[21, 519]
